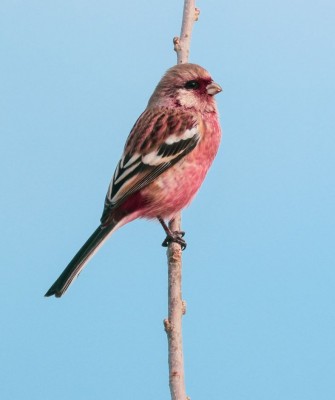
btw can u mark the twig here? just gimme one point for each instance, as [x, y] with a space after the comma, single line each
[176, 306]
[182, 43]
[173, 324]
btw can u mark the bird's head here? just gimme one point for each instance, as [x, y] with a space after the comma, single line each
[188, 86]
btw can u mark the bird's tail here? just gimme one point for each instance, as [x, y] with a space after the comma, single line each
[79, 261]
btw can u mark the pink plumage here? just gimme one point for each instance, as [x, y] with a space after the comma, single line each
[165, 160]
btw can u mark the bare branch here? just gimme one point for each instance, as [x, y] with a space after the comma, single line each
[173, 324]
[176, 306]
[182, 43]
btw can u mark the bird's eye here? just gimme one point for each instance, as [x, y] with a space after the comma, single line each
[192, 85]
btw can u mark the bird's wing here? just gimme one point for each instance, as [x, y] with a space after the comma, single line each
[158, 140]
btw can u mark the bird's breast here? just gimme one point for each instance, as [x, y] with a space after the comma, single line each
[174, 189]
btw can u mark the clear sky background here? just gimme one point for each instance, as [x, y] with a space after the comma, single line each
[259, 270]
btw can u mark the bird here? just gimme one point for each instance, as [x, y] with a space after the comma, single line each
[165, 160]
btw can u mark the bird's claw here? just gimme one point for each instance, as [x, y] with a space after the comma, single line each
[176, 237]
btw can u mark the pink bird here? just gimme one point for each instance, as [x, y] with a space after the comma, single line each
[165, 160]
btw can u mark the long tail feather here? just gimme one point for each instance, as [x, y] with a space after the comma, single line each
[79, 261]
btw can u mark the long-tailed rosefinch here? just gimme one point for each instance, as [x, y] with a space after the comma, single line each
[165, 160]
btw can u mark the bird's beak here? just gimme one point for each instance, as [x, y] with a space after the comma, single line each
[213, 88]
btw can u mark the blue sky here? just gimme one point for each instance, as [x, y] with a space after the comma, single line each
[259, 272]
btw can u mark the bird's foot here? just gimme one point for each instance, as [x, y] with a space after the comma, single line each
[176, 237]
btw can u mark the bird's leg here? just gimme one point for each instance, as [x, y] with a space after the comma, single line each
[176, 236]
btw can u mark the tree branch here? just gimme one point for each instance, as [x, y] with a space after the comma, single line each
[176, 306]
[182, 43]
